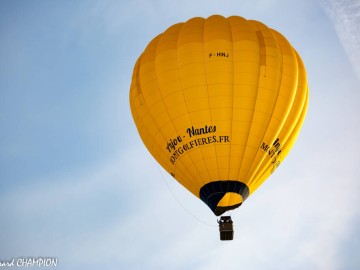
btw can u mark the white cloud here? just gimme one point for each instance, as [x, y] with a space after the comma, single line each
[345, 15]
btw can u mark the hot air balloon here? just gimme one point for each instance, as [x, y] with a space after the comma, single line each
[219, 102]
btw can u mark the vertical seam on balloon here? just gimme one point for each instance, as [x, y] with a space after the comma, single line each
[208, 98]
[187, 109]
[210, 109]
[144, 103]
[304, 102]
[280, 51]
[264, 167]
[200, 148]
[167, 111]
[207, 91]
[298, 123]
[204, 64]
[263, 62]
[138, 81]
[233, 93]
[249, 23]
[148, 108]
[293, 133]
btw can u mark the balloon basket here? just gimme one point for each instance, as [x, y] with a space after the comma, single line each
[226, 228]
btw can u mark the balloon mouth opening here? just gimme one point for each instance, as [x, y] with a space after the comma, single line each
[219, 210]
[229, 201]
[225, 195]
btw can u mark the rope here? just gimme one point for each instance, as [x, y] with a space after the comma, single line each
[179, 202]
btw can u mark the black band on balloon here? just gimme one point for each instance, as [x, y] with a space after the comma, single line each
[213, 192]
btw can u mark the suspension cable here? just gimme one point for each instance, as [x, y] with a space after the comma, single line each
[179, 202]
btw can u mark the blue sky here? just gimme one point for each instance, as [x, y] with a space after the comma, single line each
[77, 184]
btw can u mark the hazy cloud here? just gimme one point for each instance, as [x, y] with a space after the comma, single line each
[345, 15]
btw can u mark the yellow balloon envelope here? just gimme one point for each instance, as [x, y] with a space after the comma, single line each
[219, 103]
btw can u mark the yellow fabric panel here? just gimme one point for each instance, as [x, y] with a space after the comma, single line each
[219, 70]
[217, 99]
[246, 54]
[289, 130]
[193, 82]
[284, 103]
[277, 159]
[267, 92]
[230, 199]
